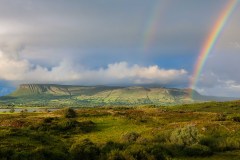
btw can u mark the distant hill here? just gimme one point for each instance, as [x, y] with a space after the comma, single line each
[69, 95]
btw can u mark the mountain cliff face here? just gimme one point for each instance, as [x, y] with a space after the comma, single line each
[34, 89]
[54, 89]
[62, 95]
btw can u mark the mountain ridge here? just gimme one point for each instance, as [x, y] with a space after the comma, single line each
[100, 95]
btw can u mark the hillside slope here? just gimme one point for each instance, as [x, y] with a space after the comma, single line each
[62, 95]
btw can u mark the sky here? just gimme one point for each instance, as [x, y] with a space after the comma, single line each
[120, 42]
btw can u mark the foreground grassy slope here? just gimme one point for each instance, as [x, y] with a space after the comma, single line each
[66, 95]
[195, 131]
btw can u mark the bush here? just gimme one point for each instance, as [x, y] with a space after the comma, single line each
[221, 117]
[208, 141]
[6, 153]
[162, 137]
[23, 155]
[138, 152]
[160, 152]
[43, 138]
[109, 146]
[228, 144]
[236, 119]
[184, 136]
[48, 120]
[197, 150]
[142, 140]
[12, 110]
[67, 125]
[69, 113]
[221, 143]
[48, 153]
[130, 137]
[62, 125]
[115, 155]
[84, 150]
[87, 126]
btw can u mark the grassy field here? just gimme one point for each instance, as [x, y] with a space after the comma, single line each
[195, 131]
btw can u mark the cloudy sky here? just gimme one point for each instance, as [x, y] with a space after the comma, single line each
[120, 42]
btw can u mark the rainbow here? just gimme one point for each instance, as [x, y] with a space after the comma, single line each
[153, 24]
[210, 42]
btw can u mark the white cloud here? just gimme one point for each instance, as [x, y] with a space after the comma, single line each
[18, 70]
[237, 45]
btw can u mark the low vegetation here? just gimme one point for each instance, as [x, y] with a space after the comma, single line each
[186, 132]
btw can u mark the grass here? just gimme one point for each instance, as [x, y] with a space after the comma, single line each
[111, 129]
[215, 107]
[200, 131]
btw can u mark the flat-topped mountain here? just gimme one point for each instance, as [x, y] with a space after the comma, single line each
[54, 89]
[73, 95]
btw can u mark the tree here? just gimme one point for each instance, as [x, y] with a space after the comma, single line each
[12, 110]
[69, 113]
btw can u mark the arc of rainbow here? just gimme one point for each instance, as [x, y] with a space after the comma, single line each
[153, 24]
[211, 41]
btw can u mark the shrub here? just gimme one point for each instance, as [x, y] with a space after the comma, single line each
[48, 153]
[115, 155]
[12, 110]
[130, 137]
[86, 126]
[228, 144]
[184, 136]
[46, 110]
[236, 119]
[208, 141]
[138, 152]
[84, 150]
[23, 155]
[197, 150]
[69, 113]
[6, 153]
[109, 146]
[142, 140]
[220, 117]
[221, 143]
[67, 124]
[48, 120]
[162, 137]
[159, 152]
[62, 124]
[42, 138]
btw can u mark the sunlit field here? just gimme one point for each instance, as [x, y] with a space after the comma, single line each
[147, 132]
